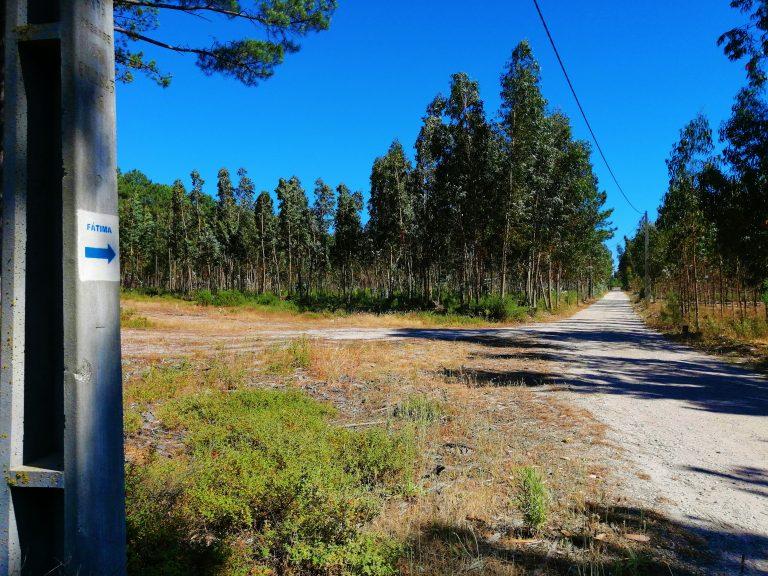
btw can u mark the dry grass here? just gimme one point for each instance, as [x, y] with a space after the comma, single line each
[492, 408]
[724, 332]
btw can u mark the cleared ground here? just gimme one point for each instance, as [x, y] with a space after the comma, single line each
[687, 434]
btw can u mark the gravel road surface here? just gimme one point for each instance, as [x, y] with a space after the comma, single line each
[696, 425]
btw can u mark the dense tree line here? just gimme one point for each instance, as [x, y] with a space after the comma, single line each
[709, 245]
[505, 206]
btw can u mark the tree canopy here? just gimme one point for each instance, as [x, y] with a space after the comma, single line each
[277, 24]
[749, 41]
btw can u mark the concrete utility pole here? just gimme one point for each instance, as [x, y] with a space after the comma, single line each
[647, 277]
[61, 446]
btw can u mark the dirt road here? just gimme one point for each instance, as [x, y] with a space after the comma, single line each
[696, 426]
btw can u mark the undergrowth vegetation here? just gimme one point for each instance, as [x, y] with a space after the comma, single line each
[447, 309]
[723, 328]
[261, 483]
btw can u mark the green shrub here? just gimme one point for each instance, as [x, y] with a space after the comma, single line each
[229, 298]
[222, 298]
[498, 309]
[569, 297]
[533, 499]
[267, 469]
[748, 328]
[204, 297]
[671, 313]
[129, 318]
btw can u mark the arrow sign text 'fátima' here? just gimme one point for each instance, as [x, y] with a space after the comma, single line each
[98, 243]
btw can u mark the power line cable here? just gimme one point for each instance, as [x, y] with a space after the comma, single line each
[581, 108]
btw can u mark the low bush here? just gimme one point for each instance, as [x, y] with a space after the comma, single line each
[671, 315]
[498, 309]
[129, 318]
[222, 298]
[265, 485]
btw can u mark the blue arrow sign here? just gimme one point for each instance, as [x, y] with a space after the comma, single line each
[107, 253]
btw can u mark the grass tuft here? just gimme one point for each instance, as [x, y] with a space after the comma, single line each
[533, 499]
[419, 409]
[282, 359]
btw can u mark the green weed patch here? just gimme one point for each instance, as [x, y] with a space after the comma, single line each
[265, 483]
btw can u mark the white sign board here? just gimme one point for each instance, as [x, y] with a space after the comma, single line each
[98, 247]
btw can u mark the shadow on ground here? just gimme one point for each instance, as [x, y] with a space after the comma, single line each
[601, 549]
[618, 356]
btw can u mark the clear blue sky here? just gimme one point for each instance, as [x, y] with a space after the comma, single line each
[642, 70]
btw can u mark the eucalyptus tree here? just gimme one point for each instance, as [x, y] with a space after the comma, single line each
[391, 210]
[749, 41]
[137, 226]
[266, 240]
[485, 207]
[746, 153]
[461, 193]
[348, 234]
[681, 215]
[227, 226]
[573, 221]
[321, 223]
[523, 123]
[293, 218]
[243, 242]
[430, 237]
[735, 195]
[205, 246]
[180, 270]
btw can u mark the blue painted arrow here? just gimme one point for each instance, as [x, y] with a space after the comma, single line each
[107, 253]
